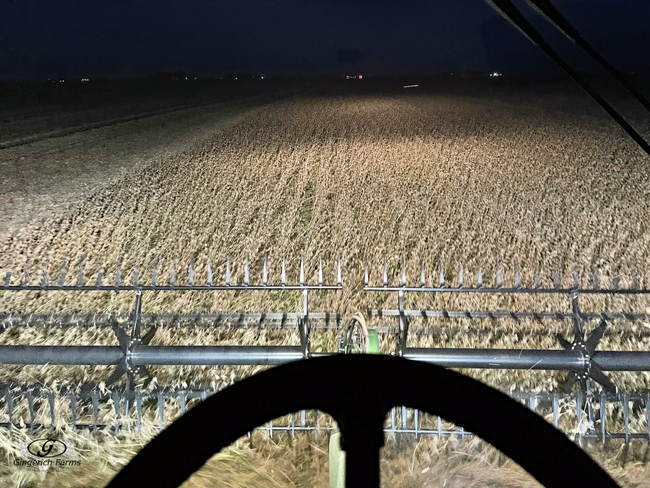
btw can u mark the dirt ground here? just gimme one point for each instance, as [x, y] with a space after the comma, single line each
[44, 178]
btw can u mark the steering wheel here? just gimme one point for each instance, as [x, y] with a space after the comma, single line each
[360, 408]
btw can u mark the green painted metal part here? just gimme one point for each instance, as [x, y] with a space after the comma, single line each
[373, 342]
[337, 462]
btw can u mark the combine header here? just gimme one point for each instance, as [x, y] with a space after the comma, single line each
[590, 412]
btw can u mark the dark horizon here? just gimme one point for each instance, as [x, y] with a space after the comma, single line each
[136, 38]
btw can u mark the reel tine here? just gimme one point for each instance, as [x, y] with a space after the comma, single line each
[172, 275]
[537, 279]
[62, 274]
[182, 397]
[95, 400]
[595, 278]
[44, 278]
[338, 277]
[385, 273]
[9, 400]
[30, 406]
[460, 274]
[7, 281]
[265, 274]
[26, 274]
[479, 277]
[228, 271]
[635, 280]
[302, 270]
[80, 276]
[423, 280]
[441, 279]
[576, 277]
[403, 272]
[246, 272]
[616, 278]
[557, 281]
[100, 274]
[365, 276]
[154, 274]
[499, 278]
[73, 408]
[161, 411]
[209, 273]
[118, 275]
[320, 271]
[136, 275]
[190, 275]
[517, 276]
[284, 271]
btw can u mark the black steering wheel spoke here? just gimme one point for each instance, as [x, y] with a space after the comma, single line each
[360, 408]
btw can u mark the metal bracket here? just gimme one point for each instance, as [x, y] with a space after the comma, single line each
[403, 327]
[128, 344]
[304, 326]
[587, 348]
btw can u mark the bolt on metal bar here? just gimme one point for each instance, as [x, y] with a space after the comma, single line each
[568, 360]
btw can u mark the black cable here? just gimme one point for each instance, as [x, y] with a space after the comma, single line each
[510, 13]
[553, 16]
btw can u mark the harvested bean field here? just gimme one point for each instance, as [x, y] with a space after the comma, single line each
[547, 182]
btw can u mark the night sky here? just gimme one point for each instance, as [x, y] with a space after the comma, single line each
[122, 38]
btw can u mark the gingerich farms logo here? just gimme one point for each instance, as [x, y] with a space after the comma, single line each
[47, 454]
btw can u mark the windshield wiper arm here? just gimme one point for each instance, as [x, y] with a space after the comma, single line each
[547, 10]
[507, 10]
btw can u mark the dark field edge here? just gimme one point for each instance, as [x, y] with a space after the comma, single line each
[96, 125]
